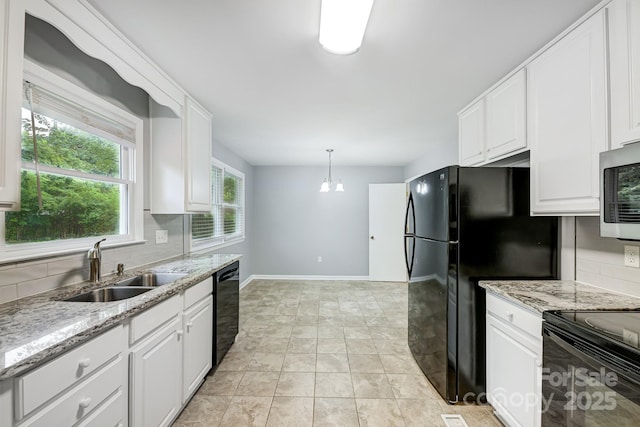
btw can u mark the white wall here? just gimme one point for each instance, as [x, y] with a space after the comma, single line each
[293, 223]
[600, 260]
[433, 159]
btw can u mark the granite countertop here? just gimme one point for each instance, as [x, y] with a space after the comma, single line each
[37, 328]
[544, 295]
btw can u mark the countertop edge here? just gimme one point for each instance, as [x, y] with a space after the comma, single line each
[547, 295]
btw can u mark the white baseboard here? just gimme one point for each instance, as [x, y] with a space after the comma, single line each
[298, 277]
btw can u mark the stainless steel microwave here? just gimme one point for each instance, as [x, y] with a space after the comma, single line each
[620, 192]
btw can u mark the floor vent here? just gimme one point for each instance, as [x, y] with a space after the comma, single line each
[453, 420]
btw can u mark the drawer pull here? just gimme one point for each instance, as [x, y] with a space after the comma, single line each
[510, 316]
[85, 402]
[84, 363]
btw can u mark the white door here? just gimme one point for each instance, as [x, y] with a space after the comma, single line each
[386, 232]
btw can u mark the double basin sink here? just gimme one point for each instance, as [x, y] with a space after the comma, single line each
[127, 288]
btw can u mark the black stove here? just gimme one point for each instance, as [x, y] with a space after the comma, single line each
[591, 368]
[613, 331]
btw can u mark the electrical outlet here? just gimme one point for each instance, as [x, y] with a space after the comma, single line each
[162, 236]
[319, 258]
[630, 337]
[632, 256]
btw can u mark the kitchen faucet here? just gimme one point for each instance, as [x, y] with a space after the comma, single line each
[95, 259]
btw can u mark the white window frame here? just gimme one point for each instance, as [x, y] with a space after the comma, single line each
[132, 165]
[221, 240]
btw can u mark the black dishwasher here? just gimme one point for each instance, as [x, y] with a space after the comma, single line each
[226, 301]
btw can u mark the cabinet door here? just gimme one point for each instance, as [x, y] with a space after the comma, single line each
[471, 136]
[567, 118]
[198, 145]
[198, 345]
[514, 374]
[156, 378]
[624, 68]
[12, 21]
[506, 119]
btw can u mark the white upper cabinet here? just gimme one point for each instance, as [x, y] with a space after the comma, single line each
[180, 160]
[198, 145]
[471, 137]
[494, 127]
[11, 54]
[506, 117]
[624, 68]
[567, 121]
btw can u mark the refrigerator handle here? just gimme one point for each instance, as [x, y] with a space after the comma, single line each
[406, 255]
[410, 209]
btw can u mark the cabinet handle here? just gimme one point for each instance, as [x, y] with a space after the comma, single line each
[85, 402]
[538, 363]
[189, 325]
[510, 316]
[180, 333]
[84, 363]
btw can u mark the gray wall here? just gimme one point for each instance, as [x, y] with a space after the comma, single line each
[293, 223]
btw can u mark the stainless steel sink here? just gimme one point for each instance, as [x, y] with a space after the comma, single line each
[151, 279]
[112, 293]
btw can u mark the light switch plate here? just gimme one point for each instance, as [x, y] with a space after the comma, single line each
[632, 256]
[162, 236]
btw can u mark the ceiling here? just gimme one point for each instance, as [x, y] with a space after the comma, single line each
[278, 98]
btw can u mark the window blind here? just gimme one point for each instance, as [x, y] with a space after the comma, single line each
[49, 104]
[226, 220]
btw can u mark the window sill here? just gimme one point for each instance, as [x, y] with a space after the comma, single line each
[8, 258]
[217, 245]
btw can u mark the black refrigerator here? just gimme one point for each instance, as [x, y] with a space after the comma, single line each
[464, 225]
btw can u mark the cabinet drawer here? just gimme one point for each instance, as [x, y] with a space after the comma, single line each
[154, 317]
[197, 292]
[83, 399]
[112, 413]
[515, 315]
[42, 384]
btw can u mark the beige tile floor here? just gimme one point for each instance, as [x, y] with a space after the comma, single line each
[321, 353]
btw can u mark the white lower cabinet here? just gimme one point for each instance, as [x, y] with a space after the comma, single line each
[170, 354]
[514, 362]
[76, 387]
[140, 373]
[198, 345]
[156, 377]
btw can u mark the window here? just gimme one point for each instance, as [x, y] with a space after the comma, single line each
[225, 223]
[78, 178]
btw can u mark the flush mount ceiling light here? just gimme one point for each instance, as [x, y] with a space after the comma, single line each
[342, 24]
[326, 184]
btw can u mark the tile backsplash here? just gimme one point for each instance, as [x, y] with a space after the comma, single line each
[21, 279]
[600, 260]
